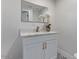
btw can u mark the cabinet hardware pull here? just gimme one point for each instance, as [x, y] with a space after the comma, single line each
[44, 45]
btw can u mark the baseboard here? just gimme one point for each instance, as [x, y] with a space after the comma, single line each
[62, 54]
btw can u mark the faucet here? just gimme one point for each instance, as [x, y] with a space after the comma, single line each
[37, 29]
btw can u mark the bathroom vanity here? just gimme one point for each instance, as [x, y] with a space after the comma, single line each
[39, 45]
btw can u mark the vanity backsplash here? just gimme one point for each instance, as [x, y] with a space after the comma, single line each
[31, 27]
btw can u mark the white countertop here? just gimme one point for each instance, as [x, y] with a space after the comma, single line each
[36, 33]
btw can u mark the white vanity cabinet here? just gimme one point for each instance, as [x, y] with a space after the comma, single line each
[51, 50]
[33, 51]
[39, 47]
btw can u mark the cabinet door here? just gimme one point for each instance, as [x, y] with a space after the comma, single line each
[32, 51]
[51, 50]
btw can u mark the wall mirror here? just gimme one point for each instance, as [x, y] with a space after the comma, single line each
[33, 13]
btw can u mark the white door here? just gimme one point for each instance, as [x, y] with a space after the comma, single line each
[33, 51]
[51, 49]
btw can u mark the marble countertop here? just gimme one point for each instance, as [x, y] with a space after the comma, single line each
[26, 34]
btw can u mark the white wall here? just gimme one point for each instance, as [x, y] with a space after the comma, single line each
[66, 18]
[11, 15]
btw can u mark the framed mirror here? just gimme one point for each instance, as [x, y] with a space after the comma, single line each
[33, 13]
